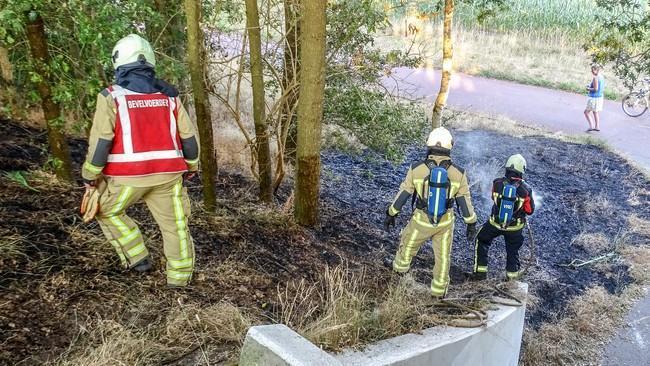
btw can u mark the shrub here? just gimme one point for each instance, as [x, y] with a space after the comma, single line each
[382, 123]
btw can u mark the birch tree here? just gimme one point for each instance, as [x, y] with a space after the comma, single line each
[447, 55]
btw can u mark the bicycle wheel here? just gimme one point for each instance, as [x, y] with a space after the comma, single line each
[634, 104]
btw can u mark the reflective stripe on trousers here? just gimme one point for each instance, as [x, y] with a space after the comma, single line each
[169, 205]
[129, 234]
[416, 233]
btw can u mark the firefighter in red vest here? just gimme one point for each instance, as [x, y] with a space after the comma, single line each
[141, 145]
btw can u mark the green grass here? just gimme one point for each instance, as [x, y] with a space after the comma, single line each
[567, 86]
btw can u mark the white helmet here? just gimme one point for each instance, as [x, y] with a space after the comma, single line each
[133, 49]
[516, 163]
[440, 137]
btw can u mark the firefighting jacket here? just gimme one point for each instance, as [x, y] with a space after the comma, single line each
[524, 204]
[148, 138]
[416, 182]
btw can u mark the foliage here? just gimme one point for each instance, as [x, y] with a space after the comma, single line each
[350, 26]
[81, 35]
[623, 39]
[548, 16]
[402, 8]
[18, 176]
[353, 95]
[384, 124]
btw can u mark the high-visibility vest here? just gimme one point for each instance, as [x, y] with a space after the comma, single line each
[146, 140]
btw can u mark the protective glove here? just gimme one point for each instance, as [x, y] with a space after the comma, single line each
[389, 221]
[90, 201]
[471, 233]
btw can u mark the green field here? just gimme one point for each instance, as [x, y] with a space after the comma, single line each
[544, 17]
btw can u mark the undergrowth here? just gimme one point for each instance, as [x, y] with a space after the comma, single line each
[380, 122]
[338, 311]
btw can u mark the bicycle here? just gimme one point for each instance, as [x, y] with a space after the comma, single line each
[637, 102]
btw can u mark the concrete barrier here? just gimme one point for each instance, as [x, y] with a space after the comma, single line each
[277, 345]
[496, 344]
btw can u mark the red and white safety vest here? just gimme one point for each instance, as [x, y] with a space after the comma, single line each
[146, 138]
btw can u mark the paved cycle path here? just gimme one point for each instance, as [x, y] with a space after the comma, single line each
[556, 111]
[550, 109]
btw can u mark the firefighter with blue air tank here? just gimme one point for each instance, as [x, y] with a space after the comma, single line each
[513, 201]
[433, 185]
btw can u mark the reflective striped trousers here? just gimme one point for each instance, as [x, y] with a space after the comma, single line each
[170, 207]
[416, 233]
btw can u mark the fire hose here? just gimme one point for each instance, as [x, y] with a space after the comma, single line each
[532, 259]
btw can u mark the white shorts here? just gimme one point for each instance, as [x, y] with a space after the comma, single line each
[594, 104]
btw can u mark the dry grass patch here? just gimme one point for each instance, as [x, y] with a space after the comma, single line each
[117, 345]
[595, 206]
[12, 247]
[551, 60]
[639, 225]
[348, 309]
[593, 243]
[638, 197]
[188, 330]
[467, 121]
[638, 258]
[578, 338]
[592, 318]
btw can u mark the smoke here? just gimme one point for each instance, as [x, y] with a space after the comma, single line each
[539, 199]
[481, 166]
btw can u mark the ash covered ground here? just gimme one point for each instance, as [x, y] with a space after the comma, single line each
[578, 189]
[64, 275]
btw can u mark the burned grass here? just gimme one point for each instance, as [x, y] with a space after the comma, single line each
[66, 301]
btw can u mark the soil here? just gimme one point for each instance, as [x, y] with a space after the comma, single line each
[66, 274]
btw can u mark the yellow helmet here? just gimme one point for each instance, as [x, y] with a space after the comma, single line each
[440, 137]
[133, 49]
[516, 163]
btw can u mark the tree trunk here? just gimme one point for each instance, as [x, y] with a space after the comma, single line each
[195, 56]
[55, 123]
[259, 113]
[447, 54]
[310, 112]
[7, 89]
[290, 74]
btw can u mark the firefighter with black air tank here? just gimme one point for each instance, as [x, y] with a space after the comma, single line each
[141, 144]
[513, 201]
[435, 183]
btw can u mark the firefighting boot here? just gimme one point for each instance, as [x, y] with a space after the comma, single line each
[143, 266]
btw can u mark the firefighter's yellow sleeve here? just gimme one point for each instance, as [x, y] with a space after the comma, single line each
[189, 138]
[406, 190]
[464, 201]
[101, 136]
